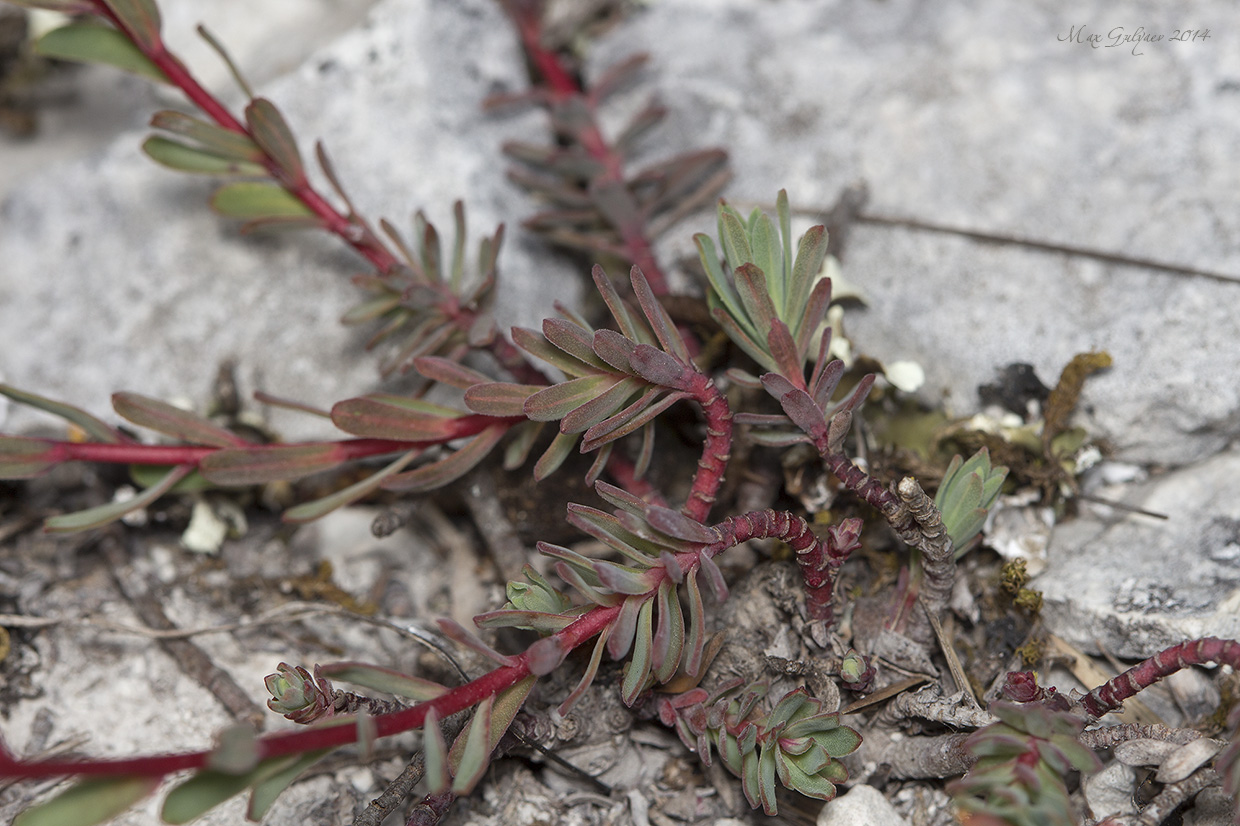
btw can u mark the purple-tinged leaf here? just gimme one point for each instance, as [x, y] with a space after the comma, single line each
[624, 627]
[621, 498]
[761, 419]
[811, 318]
[435, 754]
[645, 454]
[811, 252]
[580, 562]
[841, 418]
[599, 464]
[545, 656]
[257, 200]
[663, 369]
[743, 378]
[93, 427]
[471, 753]
[462, 636]
[624, 580]
[591, 592]
[22, 457]
[498, 398]
[217, 139]
[671, 564]
[555, 455]
[608, 530]
[517, 451]
[638, 670]
[63, 6]
[752, 287]
[450, 468]
[668, 642]
[555, 402]
[779, 439]
[601, 407]
[383, 416]
[539, 621]
[90, 801]
[96, 43]
[260, 464]
[800, 408]
[677, 525]
[456, 268]
[637, 415]
[614, 349]
[615, 203]
[449, 372]
[784, 350]
[826, 375]
[714, 577]
[186, 158]
[309, 511]
[573, 340]
[377, 678]
[140, 18]
[173, 421]
[101, 515]
[432, 256]
[596, 657]
[660, 322]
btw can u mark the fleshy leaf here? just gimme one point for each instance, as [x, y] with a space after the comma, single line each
[25, 458]
[172, 421]
[382, 416]
[497, 398]
[435, 752]
[261, 464]
[97, 429]
[140, 18]
[257, 201]
[658, 367]
[450, 468]
[186, 158]
[677, 525]
[309, 511]
[638, 668]
[90, 801]
[272, 134]
[103, 514]
[554, 456]
[266, 790]
[95, 43]
[382, 679]
[555, 402]
[213, 138]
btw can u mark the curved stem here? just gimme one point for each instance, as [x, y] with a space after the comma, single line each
[1111, 694]
[715, 452]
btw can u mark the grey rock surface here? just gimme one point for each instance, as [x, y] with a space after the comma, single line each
[861, 806]
[117, 276]
[981, 116]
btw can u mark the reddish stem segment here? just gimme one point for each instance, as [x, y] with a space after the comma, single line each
[820, 559]
[1111, 694]
[716, 450]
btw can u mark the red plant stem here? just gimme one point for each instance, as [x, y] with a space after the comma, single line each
[302, 740]
[1108, 696]
[715, 451]
[346, 450]
[562, 88]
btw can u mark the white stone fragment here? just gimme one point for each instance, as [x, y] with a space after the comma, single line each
[861, 806]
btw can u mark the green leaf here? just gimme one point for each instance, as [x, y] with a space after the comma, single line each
[271, 132]
[186, 158]
[639, 666]
[62, 6]
[172, 421]
[103, 514]
[25, 458]
[538, 347]
[141, 19]
[471, 753]
[310, 511]
[555, 454]
[753, 288]
[447, 371]
[764, 245]
[637, 415]
[217, 139]
[811, 252]
[219, 49]
[669, 638]
[452, 467]
[96, 43]
[144, 476]
[88, 802]
[517, 451]
[735, 238]
[555, 402]
[266, 791]
[382, 679]
[601, 407]
[253, 200]
[208, 789]
[93, 427]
